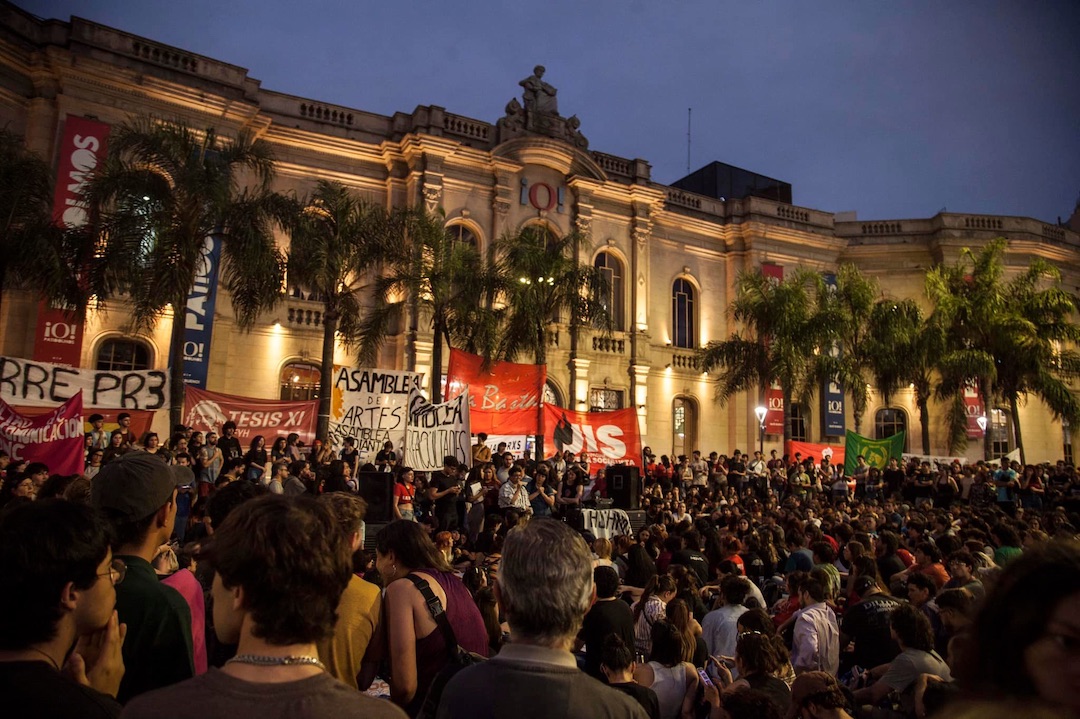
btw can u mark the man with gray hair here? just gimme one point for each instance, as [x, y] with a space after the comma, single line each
[545, 586]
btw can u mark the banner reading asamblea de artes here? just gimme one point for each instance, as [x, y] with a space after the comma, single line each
[504, 399]
[436, 431]
[41, 384]
[604, 437]
[207, 411]
[199, 315]
[55, 438]
[58, 335]
[371, 406]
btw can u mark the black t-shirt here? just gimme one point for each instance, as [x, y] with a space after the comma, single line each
[230, 448]
[644, 696]
[695, 561]
[868, 624]
[893, 478]
[890, 565]
[35, 690]
[447, 503]
[603, 619]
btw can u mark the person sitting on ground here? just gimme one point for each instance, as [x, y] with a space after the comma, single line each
[675, 681]
[817, 695]
[607, 616]
[617, 665]
[758, 662]
[816, 642]
[545, 587]
[281, 566]
[58, 592]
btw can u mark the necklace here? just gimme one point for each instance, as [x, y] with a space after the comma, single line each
[265, 661]
[51, 660]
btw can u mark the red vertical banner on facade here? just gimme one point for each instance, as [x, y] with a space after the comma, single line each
[505, 399]
[59, 334]
[774, 394]
[974, 409]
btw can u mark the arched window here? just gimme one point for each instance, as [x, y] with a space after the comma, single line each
[460, 232]
[614, 301]
[1000, 429]
[799, 420]
[123, 354]
[683, 300]
[683, 426]
[888, 421]
[300, 381]
[552, 395]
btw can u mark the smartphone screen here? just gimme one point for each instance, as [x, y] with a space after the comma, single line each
[705, 678]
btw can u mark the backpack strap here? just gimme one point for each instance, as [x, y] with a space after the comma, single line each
[435, 607]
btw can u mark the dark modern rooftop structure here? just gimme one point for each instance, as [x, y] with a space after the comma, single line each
[722, 181]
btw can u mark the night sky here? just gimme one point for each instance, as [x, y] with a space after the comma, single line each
[893, 109]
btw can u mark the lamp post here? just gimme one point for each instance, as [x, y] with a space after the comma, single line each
[760, 412]
[981, 421]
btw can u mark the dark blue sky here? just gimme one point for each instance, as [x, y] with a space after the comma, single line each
[892, 109]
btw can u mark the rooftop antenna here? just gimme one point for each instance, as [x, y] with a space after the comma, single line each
[689, 110]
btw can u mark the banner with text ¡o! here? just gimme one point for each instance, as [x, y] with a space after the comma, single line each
[877, 452]
[504, 399]
[605, 437]
[371, 406]
[55, 438]
[206, 411]
[436, 431]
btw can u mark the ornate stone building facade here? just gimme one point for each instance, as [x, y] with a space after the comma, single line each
[672, 257]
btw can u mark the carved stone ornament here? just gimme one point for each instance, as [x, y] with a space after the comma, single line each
[583, 224]
[432, 197]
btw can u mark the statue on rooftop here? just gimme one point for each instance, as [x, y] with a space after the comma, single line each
[539, 96]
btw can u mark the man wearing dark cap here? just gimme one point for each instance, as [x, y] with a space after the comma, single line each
[137, 494]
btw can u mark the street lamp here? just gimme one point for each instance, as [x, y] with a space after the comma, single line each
[760, 412]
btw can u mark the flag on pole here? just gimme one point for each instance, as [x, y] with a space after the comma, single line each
[877, 452]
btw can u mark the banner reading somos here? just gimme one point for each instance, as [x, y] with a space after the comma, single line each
[504, 400]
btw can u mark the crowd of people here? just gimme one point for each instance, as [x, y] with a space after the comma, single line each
[197, 577]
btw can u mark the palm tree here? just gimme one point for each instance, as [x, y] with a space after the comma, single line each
[1006, 334]
[431, 274]
[902, 347]
[776, 341]
[336, 240]
[844, 312]
[543, 283]
[34, 252]
[164, 188]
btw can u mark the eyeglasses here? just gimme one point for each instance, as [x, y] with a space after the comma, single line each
[116, 572]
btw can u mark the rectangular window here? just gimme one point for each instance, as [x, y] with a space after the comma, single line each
[602, 399]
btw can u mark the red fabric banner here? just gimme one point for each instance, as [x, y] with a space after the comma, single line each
[774, 402]
[604, 437]
[55, 437]
[141, 419]
[808, 449]
[58, 336]
[207, 411]
[974, 409]
[504, 399]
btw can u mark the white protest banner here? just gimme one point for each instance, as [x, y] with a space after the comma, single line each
[26, 383]
[516, 444]
[605, 523]
[55, 438]
[437, 431]
[371, 406]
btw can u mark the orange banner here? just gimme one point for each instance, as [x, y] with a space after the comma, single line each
[808, 449]
[505, 399]
[604, 437]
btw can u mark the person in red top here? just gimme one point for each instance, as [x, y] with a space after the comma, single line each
[404, 494]
[928, 562]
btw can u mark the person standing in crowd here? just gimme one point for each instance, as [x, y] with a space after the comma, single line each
[545, 587]
[124, 421]
[137, 494]
[541, 493]
[360, 606]
[608, 615]
[59, 579]
[349, 454]
[97, 436]
[387, 458]
[228, 442]
[481, 453]
[256, 458]
[404, 495]
[281, 565]
[443, 491]
[514, 494]
[416, 646]
[816, 642]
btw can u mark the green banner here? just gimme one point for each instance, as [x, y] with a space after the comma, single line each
[877, 452]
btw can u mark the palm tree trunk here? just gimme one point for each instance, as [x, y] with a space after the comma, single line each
[857, 415]
[924, 421]
[176, 364]
[787, 418]
[1016, 426]
[326, 372]
[436, 363]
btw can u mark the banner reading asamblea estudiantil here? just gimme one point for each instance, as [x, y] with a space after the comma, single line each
[59, 333]
[436, 431]
[371, 406]
[832, 392]
[199, 315]
[26, 383]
